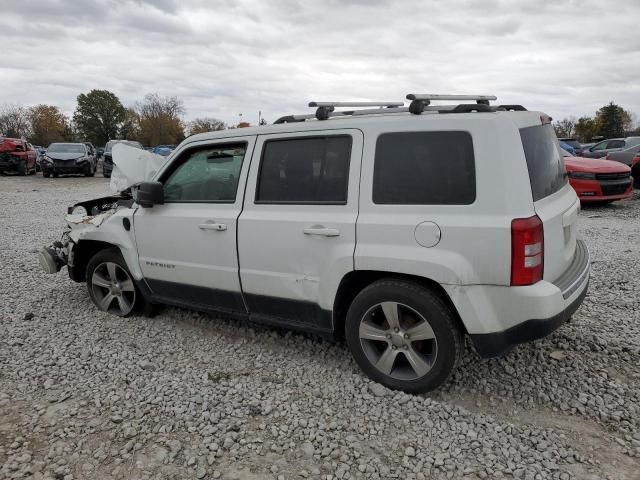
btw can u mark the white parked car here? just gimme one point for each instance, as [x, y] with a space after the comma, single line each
[401, 229]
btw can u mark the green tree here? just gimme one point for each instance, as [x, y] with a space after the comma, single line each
[98, 116]
[160, 122]
[130, 129]
[207, 124]
[586, 128]
[14, 121]
[48, 124]
[613, 120]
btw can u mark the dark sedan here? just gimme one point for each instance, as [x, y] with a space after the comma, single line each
[68, 158]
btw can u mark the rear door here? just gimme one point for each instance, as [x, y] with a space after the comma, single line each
[296, 233]
[555, 202]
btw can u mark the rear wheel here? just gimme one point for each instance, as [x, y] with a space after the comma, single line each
[22, 168]
[403, 335]
[111, 285]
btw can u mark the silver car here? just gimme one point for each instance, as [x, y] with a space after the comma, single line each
[624, 156]
[601, 149]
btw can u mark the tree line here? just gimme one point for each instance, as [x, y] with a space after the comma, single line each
[610, 121]
[100, 116]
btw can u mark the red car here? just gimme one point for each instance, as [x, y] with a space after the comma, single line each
[635, 171]
[597, 179]
[17, 156]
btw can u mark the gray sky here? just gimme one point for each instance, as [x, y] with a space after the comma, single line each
[225, 58]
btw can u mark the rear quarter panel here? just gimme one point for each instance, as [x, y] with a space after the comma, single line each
[475, 244]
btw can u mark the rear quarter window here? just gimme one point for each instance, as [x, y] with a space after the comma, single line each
[424, 168]
[546, 169]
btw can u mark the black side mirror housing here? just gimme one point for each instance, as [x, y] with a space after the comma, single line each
[149, 194]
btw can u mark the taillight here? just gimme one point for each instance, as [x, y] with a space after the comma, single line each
[527, 251]
[635, 160]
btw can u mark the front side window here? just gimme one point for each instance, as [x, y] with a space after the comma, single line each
[599, 146]
[208, 174]
[424, 168]
[305, 170]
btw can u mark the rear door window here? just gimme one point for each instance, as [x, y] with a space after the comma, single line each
[305, 170]
[615, 144]
[547, 174]
[424, 168]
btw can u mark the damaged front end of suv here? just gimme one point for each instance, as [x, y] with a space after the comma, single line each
[83, 220]
[106, 222]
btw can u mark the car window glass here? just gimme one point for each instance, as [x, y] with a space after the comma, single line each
[544, 161]
[305, 170]
[206, 175]
[424, 168]
[599, 146]
[615, 144]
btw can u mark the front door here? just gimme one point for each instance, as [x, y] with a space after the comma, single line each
[187, 247]
[297, 228]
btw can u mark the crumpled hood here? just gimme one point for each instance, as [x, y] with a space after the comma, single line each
[7, 145]
[594, 165]
[64, 156]
[132, 165]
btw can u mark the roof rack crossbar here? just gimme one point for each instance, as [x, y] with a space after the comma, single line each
[430, 96]
[356, 104]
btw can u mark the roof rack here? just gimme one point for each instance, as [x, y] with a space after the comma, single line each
[419, 103]
[325, 108]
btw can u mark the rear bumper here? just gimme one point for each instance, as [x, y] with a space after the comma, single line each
[500, 317]
[495, 344]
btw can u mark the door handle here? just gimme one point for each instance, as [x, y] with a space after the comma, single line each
[219, 227]
[323, 231]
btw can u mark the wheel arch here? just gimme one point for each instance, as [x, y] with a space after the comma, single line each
[355, 281]
[83, 251]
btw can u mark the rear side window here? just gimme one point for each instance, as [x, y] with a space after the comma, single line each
[544, 160]
[424, 168]
[305, 170]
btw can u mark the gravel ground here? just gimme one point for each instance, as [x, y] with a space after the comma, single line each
[185, 395]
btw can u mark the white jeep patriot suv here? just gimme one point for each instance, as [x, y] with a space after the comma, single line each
[402, 229]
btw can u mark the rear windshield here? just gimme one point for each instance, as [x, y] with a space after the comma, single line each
[544, 160]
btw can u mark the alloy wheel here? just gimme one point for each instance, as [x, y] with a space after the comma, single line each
[113, 289]
[398, 341]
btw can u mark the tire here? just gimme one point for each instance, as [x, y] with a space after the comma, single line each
[46, 174]
[111, 286]
[106, 175]
[55, 175]
[23, 169]
[87, 171]
[390, 356]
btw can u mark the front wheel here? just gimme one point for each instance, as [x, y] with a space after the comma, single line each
[111, 285]
[403, 335]
[23, 169]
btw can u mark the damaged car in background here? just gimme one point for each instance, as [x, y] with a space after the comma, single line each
[69, 158]
[17, 156]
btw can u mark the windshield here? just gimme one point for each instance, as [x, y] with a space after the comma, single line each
[65, 148]
[131, 143]
[571, 142]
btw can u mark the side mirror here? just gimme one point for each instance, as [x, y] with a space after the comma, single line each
[149, 194]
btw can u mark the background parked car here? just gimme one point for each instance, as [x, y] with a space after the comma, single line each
[567, 148]
[164, 150]
[597, 179]
[69, 158]
[107, 159]
[100, 152]
[624, 156]
[601, 149]
[635, 171]
[573, 143]
[17, 156]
